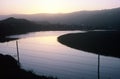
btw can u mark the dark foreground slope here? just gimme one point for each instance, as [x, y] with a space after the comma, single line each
[99, 42]
[9, 69]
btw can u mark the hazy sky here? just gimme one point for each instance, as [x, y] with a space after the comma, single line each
[54, 6]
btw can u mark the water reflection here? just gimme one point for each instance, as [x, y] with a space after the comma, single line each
[44, 55]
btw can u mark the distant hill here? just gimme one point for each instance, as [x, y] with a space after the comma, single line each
[108, 18]
[12, 25]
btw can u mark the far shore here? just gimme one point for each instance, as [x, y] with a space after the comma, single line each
[99, 42]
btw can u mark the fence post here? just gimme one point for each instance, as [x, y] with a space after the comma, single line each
[17, 52]
[98, 66]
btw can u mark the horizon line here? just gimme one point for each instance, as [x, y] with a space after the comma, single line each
[59, 13]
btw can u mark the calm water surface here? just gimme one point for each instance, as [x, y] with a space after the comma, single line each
[41, 53]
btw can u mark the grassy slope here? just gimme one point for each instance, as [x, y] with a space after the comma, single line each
[9, 69]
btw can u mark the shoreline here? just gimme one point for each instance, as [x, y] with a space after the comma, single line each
[99, 42]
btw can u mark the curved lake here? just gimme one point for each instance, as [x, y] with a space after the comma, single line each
[41, 53]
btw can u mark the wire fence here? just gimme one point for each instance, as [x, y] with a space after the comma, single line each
[63, 65]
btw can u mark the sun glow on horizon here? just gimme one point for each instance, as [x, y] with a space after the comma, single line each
[54, 6]
[51, 6]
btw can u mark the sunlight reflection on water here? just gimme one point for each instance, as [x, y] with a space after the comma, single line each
[41, 53]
